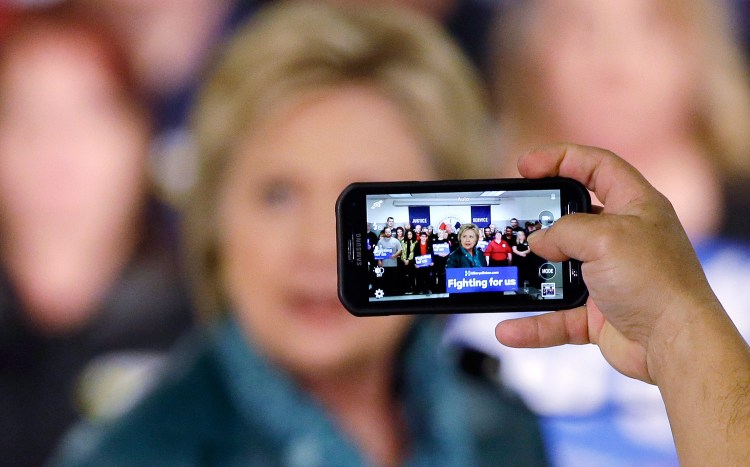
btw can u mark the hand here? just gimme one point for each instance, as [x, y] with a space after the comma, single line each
[637, 302]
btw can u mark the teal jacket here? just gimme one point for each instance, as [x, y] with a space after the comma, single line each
[460, 258]
[221, 404]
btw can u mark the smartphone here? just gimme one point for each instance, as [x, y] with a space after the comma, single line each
[454, 246]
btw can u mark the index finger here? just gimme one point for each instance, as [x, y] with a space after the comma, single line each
[615, 182]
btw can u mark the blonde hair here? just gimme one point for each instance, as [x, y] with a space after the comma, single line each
[294, 48]
[468, 226]
[722, 122]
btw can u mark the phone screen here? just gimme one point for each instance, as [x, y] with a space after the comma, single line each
[457, 249]
[422, 255]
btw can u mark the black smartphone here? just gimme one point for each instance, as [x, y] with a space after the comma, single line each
[454, 246]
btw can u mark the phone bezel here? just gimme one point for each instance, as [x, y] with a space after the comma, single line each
[353, 279]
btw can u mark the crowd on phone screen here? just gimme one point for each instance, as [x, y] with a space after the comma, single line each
[417, 265]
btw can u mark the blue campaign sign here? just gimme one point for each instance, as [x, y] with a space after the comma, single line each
[480, 215]
[382, 253]
[441, 249]
[423, 261]
[469, 280]
[419, 215]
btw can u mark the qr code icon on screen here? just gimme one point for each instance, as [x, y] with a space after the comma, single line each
[548, 290]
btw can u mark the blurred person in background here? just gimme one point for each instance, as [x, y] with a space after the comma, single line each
[170, 44]
[307, 99]
[663, 84]
[90, 296]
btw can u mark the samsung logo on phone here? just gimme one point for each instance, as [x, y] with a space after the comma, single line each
[358, 248]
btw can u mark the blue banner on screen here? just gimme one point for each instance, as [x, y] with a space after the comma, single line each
[480, 215]
[382, 253]
[419, 215]
[423, 261]
[441, 249]
[469, 280]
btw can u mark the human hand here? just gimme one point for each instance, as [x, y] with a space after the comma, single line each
[637, 302]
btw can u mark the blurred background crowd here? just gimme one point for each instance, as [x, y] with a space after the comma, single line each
[98, 157]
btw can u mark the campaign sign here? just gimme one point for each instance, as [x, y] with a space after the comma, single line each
[480, 215]
[423, 261]
[419, 215]
[469, 280]
[441, 249]
[382, 253]
[482, 245]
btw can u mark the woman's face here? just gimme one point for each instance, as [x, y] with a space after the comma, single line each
[469, 239]
[520, 236]
[614, 73]
[72, 145]
[288, 171]
[409, 235]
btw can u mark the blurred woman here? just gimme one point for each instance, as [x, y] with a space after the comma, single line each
[664, 84]
[306, 99]
[90, 293]
[467, 255]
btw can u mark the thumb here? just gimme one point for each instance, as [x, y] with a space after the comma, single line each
[565, 239]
